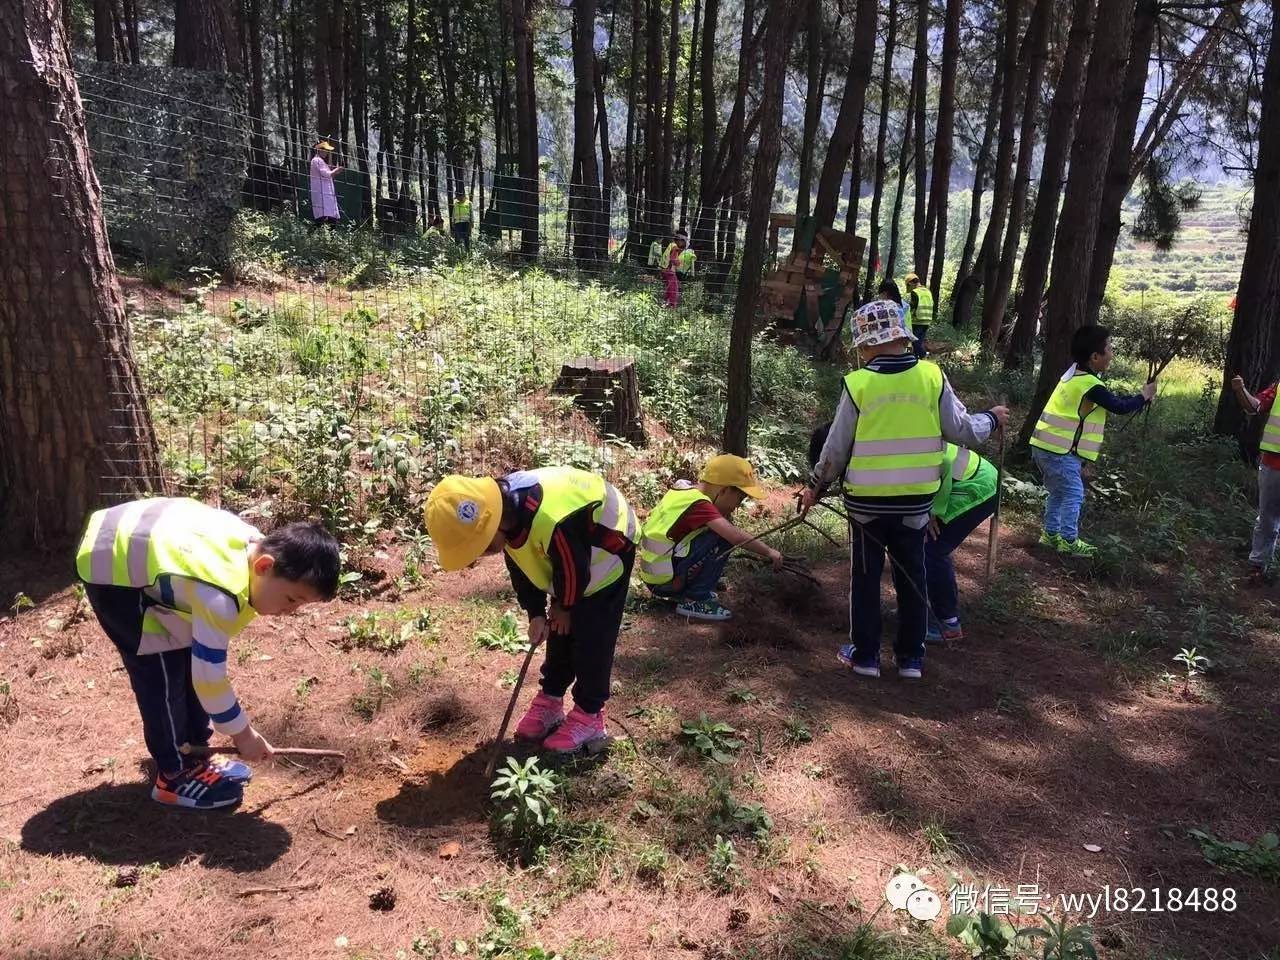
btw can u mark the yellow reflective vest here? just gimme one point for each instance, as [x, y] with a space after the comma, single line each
[687, 262]
[897, 444]
[134, 544]
[1271, 431]
[657, 551]
[922, 316]
[565, 491]
[462, 211]
[1070, 423]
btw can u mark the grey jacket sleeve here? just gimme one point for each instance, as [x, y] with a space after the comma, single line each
[839, 446]
[959, 425]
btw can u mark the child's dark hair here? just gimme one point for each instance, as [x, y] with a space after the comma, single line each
[1087, 341]
[890, 290]
[817, 440]
[305, 553]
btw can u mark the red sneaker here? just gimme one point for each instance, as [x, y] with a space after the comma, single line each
[580, 729]
[544, 715]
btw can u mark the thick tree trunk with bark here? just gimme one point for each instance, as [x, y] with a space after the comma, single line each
[997, 298]
[851, 104]
[781, 19]
[74, 426]
[920, 78]
[1145, 20]
[1078, 222]
[882, 165]
[526, 124]
[812, 107]
[1057, 145]
[935, 226]
[200, 40]
[1253, 350]
[588, 237]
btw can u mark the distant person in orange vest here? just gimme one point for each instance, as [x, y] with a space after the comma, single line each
[324, 198]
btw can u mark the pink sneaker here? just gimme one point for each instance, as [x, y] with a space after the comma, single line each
[544, 715]
[580, 729]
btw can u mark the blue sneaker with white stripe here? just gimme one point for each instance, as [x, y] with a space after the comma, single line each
[202, 787]
[235, 770]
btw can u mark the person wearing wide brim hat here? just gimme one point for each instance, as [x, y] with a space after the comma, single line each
[685, 543]
[886, 443]
[324, 197]
[563, 532]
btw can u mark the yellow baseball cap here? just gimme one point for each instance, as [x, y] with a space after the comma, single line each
[462, 515]
[912, 278]
[727, 470]
[323, 145]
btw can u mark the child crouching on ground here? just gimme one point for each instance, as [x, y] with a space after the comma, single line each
[686, 541]
[567, 533]
[1265, 530]
[1070, 431]
[171, 581]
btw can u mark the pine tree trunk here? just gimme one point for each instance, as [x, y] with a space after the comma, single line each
[386, 126]
[653, 122]
[585, 203]
[634, 239]
[1057, 145]
[257, 86]
[669, 115]
[935, 227]
[413, 74]
[337, 75]
[812, 107]
[1078, 222]
[104, 43]
[781, 19]
[199, 37]
[131, 29]
[997, 299]
[969, 272]
[74, 427]
[606, 153]
[1253, 349]
[920, 77]
[688, 116]
[831, 181]
[1145, 21]
[882, 165]
[526, 124]
[855, 184]
[704, 229]
[904, 162]
[360, 105]
[1011, 66]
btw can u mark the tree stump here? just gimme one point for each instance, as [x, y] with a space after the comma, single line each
[608, 392]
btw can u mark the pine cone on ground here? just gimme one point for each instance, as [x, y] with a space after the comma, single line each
[384, 898]
[127, 877]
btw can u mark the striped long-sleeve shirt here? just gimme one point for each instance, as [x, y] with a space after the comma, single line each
[213, 615]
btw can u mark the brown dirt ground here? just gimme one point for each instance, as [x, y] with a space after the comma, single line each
[1021, 742]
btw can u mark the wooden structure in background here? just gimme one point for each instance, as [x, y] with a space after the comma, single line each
[819, 260]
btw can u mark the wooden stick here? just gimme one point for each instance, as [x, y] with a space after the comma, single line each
[204, 751]
[993, 536]
[506, 717]
[287, 888]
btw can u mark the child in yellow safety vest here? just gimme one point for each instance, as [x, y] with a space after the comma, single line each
[171, 581]
[668, 263]
[685, 543]
[887, 443]
[563, 532]
[1263, 549]
[1070, 431]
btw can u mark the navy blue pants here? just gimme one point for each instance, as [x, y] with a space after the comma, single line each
[171, 711]
[584, 658]
[697, 573]
[867, 545]
[940, 572]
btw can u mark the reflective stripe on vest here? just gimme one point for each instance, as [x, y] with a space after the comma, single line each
[462, 211]
[137, 543]
[923, 314]
[965, 464]
[1271, 432]
[1064, 426]
[897, 446]
[566, 491]
[657, 551]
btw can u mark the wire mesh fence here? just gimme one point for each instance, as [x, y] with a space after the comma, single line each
[330, 338]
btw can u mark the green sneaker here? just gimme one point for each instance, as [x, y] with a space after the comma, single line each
[1051, 540]
[1077, 548]
[703, 610]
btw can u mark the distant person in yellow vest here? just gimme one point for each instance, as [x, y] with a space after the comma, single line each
[171, 581]
[565, 533]
[1069, 433]
[324, 198]
[686, 264]
[920, 311]
[670, 257]
[1267, 527]
[685, 543]
[462, 222]
[887, 443]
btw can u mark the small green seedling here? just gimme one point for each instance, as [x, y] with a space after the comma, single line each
[710, 739]
[1194, 663]
[1062, 941]
[506, 636]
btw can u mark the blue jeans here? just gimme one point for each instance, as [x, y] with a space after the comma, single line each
[1062, 478]
[940, 572]
[867, 544]
[697, 574]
